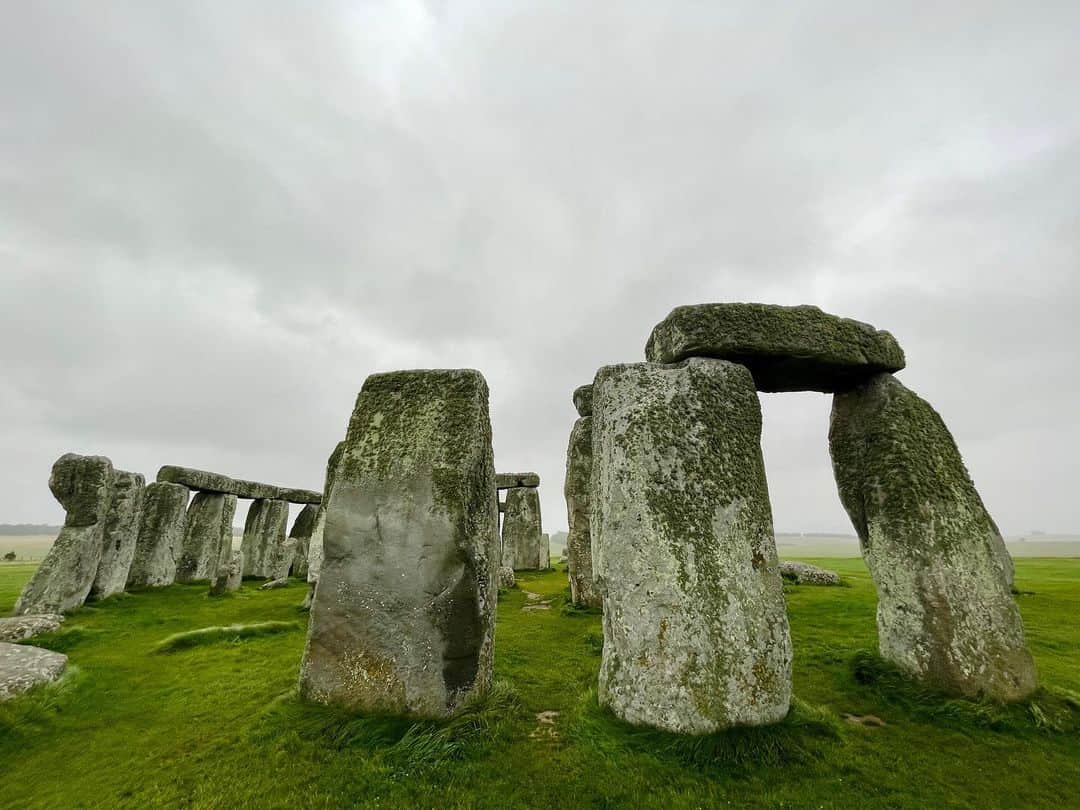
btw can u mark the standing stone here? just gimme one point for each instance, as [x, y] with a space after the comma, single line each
[403, 619]
[208, 537]
[521, 529]
[315, 545]
[264, 536]
[695, 626]
[121, 533]
[161, 536]
[583, 590]
[945, 613]
[301, 532]
[228, 576]
[284, 559]
[84, 486]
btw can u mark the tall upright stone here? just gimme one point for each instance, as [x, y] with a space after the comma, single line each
[301, 532]
[543, 561]
[84, 487]
[161, 536]
[583, 590]
[121, 533]
[695, 627]
[264, 536]
[315, 545]
[945, 613]
[208, 537]
[403, 619]
[521, 529]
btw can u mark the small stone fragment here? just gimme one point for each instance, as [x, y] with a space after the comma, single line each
[786, 348]
[274, 584]
[806, 574]
[161, 536]
[23, 667]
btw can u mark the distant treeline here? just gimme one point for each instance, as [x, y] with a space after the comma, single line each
[23, 529]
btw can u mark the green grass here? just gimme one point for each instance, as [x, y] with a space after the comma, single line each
[218, 724]
[233, 633]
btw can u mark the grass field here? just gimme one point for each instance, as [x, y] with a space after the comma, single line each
[209, 719]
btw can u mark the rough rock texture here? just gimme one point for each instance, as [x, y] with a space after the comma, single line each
[229, 576]
[785, 348]
[301, 531]
[583, 399]
[506, 577]
[583, 590]
[274, 584]
[18, 628]
[284, 559]
[203, 481]
[161, 536]
[695, 625]
[315, 544]
[521, 529]
[945, 613]
[806, 574]
[121, 532]
[84, 487]
[543, 561]
[264, 535]
[512, 480]
[403, 619]
[208, 536]
[23, 667]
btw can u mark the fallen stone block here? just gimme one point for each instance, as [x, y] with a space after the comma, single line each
[806, 574]
[18, 628]
[23, 667]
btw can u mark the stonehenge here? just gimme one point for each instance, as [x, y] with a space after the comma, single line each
[207, 537]
[23, 667]
[583, 590]
[315, 544]
[695, 625]
[522, 533]
[301, 532]
[203, 481]
[122, 522]
[84, 487]
[945, 611]
[161, 536]
[229, 575]
[805, 574]
[403, 618]
[264, 537]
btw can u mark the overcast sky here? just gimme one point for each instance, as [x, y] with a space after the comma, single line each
[217, 218]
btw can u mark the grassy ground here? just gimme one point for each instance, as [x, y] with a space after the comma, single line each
[212, 722]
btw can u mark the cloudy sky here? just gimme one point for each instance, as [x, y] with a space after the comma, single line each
[217, 218]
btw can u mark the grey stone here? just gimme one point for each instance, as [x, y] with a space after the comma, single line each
[403, 619]
[19, 628]
[284, 559]
[506, 577]
[274, 584]
[315, 544]
[521, 529]
[161, 536]
[121, 532]
[543, 562]
[695, 626]
[264, 535]
[208, 537]
[806, 574]
[512, 480]
[229, 576]
[583, 399]
[583, 590]
[301, 532]
[945, 613]
[785, 348]
[203, 481]
[23, 667]
[84, 487]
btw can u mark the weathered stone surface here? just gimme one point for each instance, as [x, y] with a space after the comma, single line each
[122, 520]
[403, 619]
[583, 590]
[284, 559]
[203, 481]
[806, 574]
[84, 487]
[161, 536]
[945, 613]
[315, 544]
[301, 532]
[18, 628]
[785, 348]
[583, 399]
[264, 536]
[506, 577]
[512, 480]
[543, 562]
[208, 536]
[23, 667]
[521, 529]
[229, 576]
[274, 584]
[695, 626]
